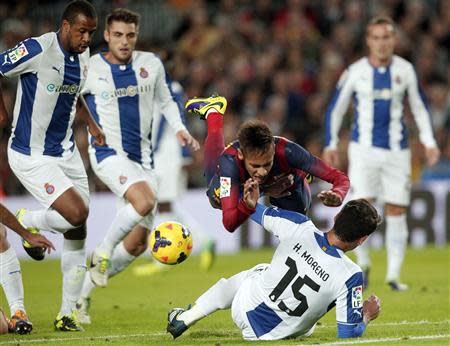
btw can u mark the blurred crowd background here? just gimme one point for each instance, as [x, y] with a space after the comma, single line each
[274, 60]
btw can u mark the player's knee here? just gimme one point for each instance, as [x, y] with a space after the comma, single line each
[78, 216]
[394, 210]
[145, 206]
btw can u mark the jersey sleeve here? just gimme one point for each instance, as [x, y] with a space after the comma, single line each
[337, 108]
[282, 223]
[418, 105]
[234, 210]
[166, 101]
[298, 157]
[349, 308]
[23, 58]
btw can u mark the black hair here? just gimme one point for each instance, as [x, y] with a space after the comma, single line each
[255, 137]
[76, 7]
[122, 15]
[356, 219]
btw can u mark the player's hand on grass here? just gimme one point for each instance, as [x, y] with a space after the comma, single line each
[98, 134]
[432, 155]
[251, 193]
[331, 156]
[38, 240]
[330, 198]
[185, 138]
[371, 308]
[280, 187]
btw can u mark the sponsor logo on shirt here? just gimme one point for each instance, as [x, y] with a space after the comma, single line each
[131, 91]
[382, 94]
[225, 187]
[18, 53]
[357, 297]
[63, 89]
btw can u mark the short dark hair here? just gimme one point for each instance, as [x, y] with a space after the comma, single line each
[378, 20]
[122, 15]
[356, 219]
[76, 7]
[255, 137]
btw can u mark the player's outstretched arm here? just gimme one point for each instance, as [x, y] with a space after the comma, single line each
[36, 240]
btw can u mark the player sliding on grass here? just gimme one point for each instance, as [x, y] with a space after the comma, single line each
[11, 275]
[309, 275]
[277, 164]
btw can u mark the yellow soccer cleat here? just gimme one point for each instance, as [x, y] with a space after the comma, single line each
[36, 253]
[68, 323]
[200, 106]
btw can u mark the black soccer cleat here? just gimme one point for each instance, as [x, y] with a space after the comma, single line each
[174, 326]
[19, 323]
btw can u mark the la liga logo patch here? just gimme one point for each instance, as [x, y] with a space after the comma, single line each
[49, 188]
[122, 179]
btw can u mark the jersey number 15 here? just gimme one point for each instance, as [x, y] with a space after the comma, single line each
[296, 287]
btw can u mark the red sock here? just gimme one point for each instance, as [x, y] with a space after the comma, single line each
[214, 143]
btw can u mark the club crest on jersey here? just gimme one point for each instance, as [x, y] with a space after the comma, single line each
[123, 179]
[397, 79]
[18, 53]
[49, 188]
[85, 71]
[357, 297]
[143, 73]
[225, 187]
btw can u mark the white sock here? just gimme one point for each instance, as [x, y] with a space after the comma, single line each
[73, 267]
[11, 280]
[88, 286]
[47, 220]
[362, 255]
[396, 241]
[120, 259]
[126, 218]
[217, 297]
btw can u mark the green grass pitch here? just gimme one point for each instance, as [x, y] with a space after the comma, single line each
[133, 311]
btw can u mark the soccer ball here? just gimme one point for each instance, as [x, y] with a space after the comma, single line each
[170, 242]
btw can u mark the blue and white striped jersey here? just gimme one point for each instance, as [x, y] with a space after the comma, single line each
[50, 80]
[378, 94]
[122, 99]
[305, 279]
[165, 142]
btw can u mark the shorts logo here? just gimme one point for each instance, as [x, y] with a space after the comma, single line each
[357, 297]
[18, 53]
[123, 179]
[49, 188]
[225, 187]
[143, 73]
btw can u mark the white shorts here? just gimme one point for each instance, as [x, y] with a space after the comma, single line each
[119, 173]
[243, 301]
[380, 174]
[172, 180]
[47, 177]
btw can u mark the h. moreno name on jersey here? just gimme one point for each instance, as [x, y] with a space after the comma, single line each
[318, 270]
[131, 90]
